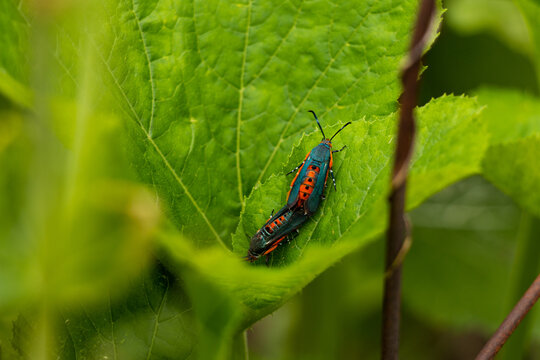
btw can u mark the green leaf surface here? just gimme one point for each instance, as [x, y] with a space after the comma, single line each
[153, 320]
[530, 10]
[14, 62]
[457, 272]
[512, 167]
[42, 51]
[501, 18]
[65, 238]
[362, 172]
[445, 150]
[510, 114]
[216, 91]
[513, 120]
[73, 220]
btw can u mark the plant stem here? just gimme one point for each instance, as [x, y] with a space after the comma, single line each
[398, 230]
[509, 324]
[240, 347]
[525, 268]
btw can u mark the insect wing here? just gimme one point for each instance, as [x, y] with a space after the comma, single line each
[295, 219]
[312, 203]
[275, 223]
[294, 193]
[265, 237]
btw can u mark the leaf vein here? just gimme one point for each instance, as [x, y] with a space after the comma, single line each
[112, 329]
[279, 45]
[150, 69]
[158, 150]
[240, 105]
[308, 94]
[156, 321]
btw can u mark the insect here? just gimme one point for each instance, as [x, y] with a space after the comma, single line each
[279, 227]
[310, 181]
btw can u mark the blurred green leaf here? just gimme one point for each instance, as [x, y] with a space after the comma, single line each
[66, 237]
[501, 18]
[73, 222]
[513, 120]
[457, 271]
[519, 175]
[510, 114]
[472, 258]
[14, 62]
[460, 64]
[6, 335]
[154, 319]
[530, 10]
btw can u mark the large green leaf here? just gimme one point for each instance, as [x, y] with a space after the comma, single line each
[214, 90]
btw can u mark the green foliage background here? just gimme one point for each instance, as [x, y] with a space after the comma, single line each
[143, 142]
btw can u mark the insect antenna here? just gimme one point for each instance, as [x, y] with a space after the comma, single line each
[349, 123]
[313, 112]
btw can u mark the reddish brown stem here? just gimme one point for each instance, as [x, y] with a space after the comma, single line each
[398, 230]
[511, 322]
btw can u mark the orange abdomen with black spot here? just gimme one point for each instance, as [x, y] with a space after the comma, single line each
[308, 184]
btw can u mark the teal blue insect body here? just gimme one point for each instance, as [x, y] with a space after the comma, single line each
[303, 199]
[279, 227]
[309, 183]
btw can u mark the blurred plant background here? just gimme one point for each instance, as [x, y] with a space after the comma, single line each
[94, 261]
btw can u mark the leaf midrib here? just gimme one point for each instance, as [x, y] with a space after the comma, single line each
[158, 150]
[240, 105]
[150, 68]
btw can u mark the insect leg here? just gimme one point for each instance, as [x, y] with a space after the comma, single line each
[291, 236]
[333, 178]
[335, 151]
[296, 168]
